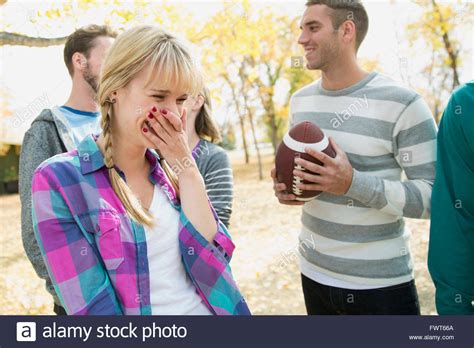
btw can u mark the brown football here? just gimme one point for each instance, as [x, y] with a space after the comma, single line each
[302, 135]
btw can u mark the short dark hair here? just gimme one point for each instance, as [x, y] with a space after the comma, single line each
[82, 40]
[343, 10]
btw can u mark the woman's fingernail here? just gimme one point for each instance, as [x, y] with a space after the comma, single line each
[154, 109]
[145, 130]
[150, 115]
[164, 111]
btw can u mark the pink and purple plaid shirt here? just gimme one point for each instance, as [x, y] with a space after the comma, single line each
[96, 255]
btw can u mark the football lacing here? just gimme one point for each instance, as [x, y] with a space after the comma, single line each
[297, 180]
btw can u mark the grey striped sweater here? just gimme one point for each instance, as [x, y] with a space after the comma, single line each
[359, 240]
[214, 166]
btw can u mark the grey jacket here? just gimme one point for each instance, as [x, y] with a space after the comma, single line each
[47, 136]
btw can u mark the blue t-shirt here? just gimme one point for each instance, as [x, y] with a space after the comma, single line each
[81, 123]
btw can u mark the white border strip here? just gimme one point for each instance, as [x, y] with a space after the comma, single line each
[299, 146]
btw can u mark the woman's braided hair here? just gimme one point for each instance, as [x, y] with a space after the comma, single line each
[131, 52]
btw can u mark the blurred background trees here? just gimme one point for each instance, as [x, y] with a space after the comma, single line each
[441, 30]
[250, 56]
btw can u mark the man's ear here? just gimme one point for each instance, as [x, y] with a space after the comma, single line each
[348, 31]
[79, 61]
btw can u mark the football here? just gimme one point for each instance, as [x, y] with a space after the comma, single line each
[302, 135]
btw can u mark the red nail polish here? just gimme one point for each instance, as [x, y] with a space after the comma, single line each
[145, 130]
[164, 111]
[150, 115]
[153, 109]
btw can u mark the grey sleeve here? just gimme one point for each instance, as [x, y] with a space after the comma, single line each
[218, 179]
[415, 151]
[34, 151]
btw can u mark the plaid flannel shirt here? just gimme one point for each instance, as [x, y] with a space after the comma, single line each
[96, 255]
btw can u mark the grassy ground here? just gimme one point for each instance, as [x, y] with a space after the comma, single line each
[264, 264]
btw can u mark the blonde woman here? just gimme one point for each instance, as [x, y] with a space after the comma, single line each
[212, 161]
[120, 232]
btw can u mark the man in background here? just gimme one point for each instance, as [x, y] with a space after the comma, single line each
[61, 129]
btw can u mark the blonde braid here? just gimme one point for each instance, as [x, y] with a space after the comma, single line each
[105, 123]
[171, 175]
[127, 197]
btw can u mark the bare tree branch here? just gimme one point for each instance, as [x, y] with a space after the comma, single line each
[23, 40]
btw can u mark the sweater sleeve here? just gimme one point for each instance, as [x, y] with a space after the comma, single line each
[218, 179]
[414, 148]
[34, 150]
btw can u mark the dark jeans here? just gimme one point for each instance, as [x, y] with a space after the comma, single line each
[59, 310]
[322, 299]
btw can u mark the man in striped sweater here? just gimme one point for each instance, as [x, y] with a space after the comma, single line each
[354, 250]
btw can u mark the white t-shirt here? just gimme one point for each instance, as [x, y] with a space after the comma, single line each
[171, 290]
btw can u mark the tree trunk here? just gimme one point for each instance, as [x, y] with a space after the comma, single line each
[453, 56]
[271, 104]
[257, 148]
[248, 108]
[241, 117]
[244, 139]
[268, 103]
[272, 115]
